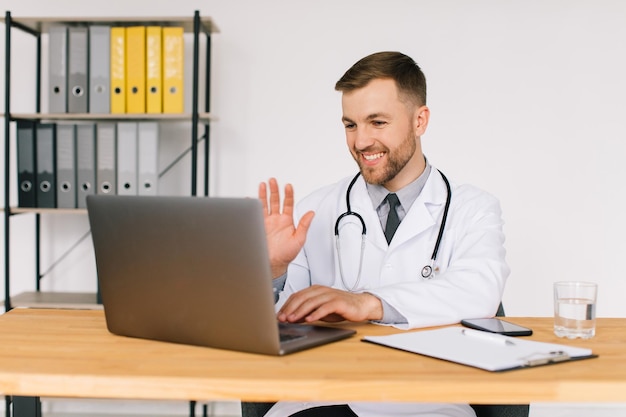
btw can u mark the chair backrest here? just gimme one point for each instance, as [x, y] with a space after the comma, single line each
[500, 312]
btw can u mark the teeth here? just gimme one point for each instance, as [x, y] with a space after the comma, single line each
[374, 156]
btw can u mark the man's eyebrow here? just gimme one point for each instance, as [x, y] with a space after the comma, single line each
[376, 116]
[370, 117]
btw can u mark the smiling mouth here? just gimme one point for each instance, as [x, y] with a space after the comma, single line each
[373, 157]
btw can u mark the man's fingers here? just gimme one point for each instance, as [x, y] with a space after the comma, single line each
[274, 197]
[263, 197]
[304, 303]
[288, 201]
[303, 225]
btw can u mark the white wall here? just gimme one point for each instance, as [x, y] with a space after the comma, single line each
[527, 102]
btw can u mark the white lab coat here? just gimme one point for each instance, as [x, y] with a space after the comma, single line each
[471, 261]
[471, 267]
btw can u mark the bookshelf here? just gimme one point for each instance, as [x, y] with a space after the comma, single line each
[199, 120]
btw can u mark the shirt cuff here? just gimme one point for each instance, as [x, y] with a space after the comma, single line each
[390, 314]
[278, 284]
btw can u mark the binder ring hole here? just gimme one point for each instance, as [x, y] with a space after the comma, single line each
[173, 90]
[66, 186]
[99, 89]
[44, 186]
[147, 185]
[56, 90]
[26, 186]
[153, 90]
[77, 91]
[135, 90]
[86, 186]
[118, 90]
[127, 185]
[105, 187]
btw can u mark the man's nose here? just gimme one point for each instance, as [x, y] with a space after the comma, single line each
[363, 138]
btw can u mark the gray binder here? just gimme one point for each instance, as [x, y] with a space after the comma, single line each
[46, 171]
[85, 163]
[105, 158]
[27, 196]
[127, 158]
[66, 166]
[57, 69]
[99, 69]
[77, 96]
[148, 158]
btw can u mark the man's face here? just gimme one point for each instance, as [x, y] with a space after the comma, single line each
[383, 132]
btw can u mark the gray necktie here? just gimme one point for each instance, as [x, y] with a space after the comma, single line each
[392, 219]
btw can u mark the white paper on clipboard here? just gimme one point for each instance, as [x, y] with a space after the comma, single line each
[488, 351]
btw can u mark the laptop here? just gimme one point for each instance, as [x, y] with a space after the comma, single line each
[192, 270]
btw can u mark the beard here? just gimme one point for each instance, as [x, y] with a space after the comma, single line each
[396, 160]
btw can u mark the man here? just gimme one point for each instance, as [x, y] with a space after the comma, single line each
[321, 270]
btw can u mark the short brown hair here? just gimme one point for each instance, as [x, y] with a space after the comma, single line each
[408, 76]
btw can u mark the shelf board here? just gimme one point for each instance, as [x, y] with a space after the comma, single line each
[69, 300]
[159, 117]
[43, 24]
[40, 210]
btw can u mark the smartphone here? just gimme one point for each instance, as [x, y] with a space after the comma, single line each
[495, 325]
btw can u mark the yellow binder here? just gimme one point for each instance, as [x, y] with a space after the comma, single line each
[173, 56]
[118, 70]
[136, 69]
[154, 80]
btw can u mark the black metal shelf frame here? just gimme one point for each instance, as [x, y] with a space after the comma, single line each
[198, 28]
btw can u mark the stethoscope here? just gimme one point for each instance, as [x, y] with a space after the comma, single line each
[427, 270]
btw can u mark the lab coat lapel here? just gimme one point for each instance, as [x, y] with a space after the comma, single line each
[424, 212]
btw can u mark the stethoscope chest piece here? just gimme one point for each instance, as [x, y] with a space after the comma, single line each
[427, 272]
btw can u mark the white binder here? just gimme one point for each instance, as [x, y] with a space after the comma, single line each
[127, 158]
[148, 158]
[57, 69]
[66, 166]
[77, 95]
[99, 69]
[105, 158]
[85, 163]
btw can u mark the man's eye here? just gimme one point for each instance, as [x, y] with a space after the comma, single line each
[379, 123]
[349, 125]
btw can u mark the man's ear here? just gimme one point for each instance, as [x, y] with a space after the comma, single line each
[420, 120]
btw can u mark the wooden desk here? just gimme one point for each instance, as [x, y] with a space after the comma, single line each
[69, 353]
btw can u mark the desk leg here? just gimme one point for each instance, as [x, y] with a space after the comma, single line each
[26, 406]
[192, 409]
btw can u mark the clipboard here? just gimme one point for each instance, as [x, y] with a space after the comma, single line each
[488, 351]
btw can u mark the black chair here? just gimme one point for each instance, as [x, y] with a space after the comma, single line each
[249, 409]
[259, 409]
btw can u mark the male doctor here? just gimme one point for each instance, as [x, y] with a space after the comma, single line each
[321, 270]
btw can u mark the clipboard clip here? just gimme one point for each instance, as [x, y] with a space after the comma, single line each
[542, 358]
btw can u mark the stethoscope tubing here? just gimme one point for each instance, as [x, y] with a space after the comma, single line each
[427, 270]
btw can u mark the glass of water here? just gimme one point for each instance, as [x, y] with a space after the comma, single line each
[575, 309]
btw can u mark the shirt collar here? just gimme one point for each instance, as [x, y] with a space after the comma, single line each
[407, 194]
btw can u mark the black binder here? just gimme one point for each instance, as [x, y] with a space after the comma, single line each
[46, 165]
[26, 168]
